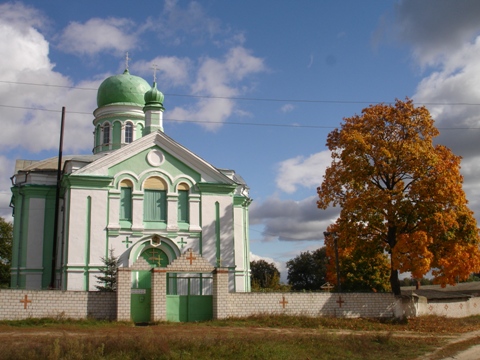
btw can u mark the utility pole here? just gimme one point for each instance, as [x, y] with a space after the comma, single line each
[337, 266]
[57, 202]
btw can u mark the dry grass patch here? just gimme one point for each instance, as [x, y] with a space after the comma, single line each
[207, 342]
[425, 324]
[260, 337]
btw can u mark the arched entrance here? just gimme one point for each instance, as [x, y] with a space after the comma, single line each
[150, 253]
[157, 287]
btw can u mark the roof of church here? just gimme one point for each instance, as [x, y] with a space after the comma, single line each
[52, 163]
[122, 88]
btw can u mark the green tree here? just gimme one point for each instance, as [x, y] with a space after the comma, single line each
[264, 275]
[108, 279]
[361, 273]
[6, 236]
[308, 271]
[400, 194]
[361, 268]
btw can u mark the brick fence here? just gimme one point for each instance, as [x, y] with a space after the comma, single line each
[455, 308]
[315, 304]
[24, 304]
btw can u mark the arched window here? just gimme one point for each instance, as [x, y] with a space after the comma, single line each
[183, 209]
[155, 200]
[126, 188]
[106, 134]
[128, 132]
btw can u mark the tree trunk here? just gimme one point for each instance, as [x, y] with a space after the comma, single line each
[395, 282]
[392, 241]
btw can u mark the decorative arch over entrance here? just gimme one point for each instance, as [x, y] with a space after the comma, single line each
[154, 241]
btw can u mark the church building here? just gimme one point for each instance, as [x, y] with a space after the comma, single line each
[139, 196]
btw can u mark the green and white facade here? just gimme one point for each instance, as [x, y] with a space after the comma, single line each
[140, 194]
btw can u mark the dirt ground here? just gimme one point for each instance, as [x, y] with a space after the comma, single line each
[470, 353]
[22, 336]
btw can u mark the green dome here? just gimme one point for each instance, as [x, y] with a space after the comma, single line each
[123, 88]
[153, 96]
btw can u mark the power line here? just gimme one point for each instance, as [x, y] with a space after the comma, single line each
[224, 123]
[233, 98]
[253, 98]
[40, 109]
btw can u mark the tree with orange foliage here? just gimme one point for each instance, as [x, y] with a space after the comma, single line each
[400, 194]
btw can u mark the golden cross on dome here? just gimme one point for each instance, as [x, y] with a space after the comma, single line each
[126, 60]
[155, 68]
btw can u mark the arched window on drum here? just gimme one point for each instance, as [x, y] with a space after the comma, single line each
[128, 132]
[106, 134]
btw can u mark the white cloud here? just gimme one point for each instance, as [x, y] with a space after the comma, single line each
[23, 47]
[287, 108]
[239, 63]
[25, 59]
[99, 35]
[22, 17]
[34, 112]
[457, 83]
[171, 70]
[292, 220]
[310, 63]
[301, 171]
[471, 172]
[218, 78]
[444, 36]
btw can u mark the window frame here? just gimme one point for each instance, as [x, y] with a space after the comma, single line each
[106, 134]
[126, 212]
[128, 132]
[183, 206]
[155, 212]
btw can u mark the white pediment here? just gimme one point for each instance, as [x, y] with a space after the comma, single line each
[208, 172]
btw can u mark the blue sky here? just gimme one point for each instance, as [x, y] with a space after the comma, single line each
[254, 86]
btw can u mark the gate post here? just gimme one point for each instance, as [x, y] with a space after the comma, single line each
[159, 295]
[220, 293]
[123, 294]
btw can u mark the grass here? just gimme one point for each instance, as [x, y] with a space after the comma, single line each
[56, 322]
[259, 337]
[451, 350]
[424, 324]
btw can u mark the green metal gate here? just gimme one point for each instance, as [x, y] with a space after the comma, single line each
[141, 296]
[141, 289]
[189, 298]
